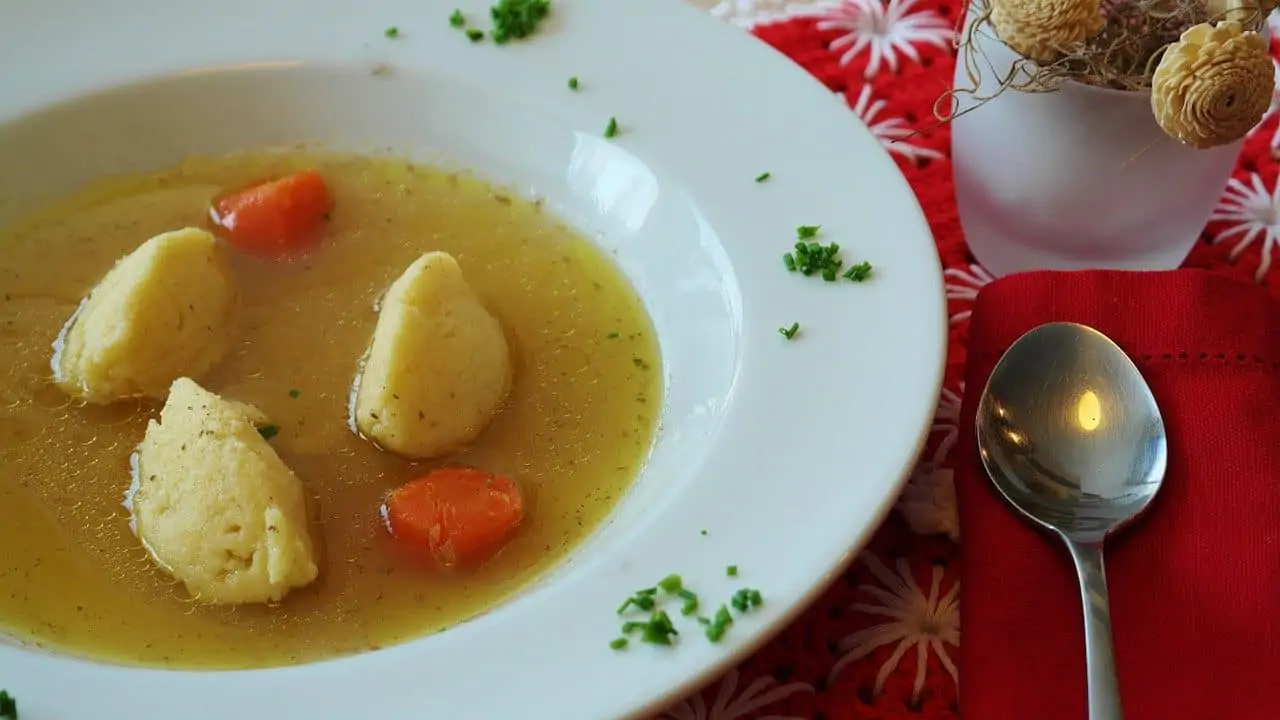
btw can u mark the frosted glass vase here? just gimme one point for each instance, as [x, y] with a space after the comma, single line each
[1081, 177]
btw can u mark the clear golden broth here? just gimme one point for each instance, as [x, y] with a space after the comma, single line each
[578, 424]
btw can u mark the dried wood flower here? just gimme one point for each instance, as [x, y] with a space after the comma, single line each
[1044, 30]
[1213, 85]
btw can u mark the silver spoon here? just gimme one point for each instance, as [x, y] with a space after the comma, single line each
[1071, 436]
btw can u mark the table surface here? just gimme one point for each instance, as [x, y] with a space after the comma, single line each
[881, 643]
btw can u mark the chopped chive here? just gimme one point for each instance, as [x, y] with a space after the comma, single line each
[632, 626]
[618, 643]
[789, 332]
[690, 599]
[807, 232]
[294, 394]
[722, 616]
[720, 623]
[475, 35]
[810, 257]
[763, 176]
[269, 431]
[704, 620]
[731, 571]
[642, 599]
[517, 19]
[859, 272]
[659, 630]
[8, 706]
[746, 599]
[613, 335]
[671, 584]
[704, 533]
[457, 19]
[611, 130]
[573, 83]
[392, 32]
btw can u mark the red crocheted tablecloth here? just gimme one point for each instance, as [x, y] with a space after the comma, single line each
[881, 643]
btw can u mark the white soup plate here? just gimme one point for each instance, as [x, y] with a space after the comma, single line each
[787, 453]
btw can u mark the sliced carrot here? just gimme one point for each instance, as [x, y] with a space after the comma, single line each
[459, 517]
[277, 216]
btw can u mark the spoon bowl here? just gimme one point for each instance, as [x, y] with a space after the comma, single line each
[1070, 433]
[1071, 436]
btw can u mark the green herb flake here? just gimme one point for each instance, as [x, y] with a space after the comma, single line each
[392, 32]
[690, 602]
[457, 19]
[809, 257]
[475, 35]
[517, 19]
[611, 130]
[720, 623]
[659, 630]
[573, 83]
[763, 177]
[8, 706]
[704, 533]
[859, 272]
[269, 431]
[619, 643]
[671, 584]
[642, 599]
[746, 599]
[789, 332]
[613, 335]
[639, 362]
[731, 571]
[295, 393]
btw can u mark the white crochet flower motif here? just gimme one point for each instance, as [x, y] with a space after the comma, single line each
[926, 622]
[761, 693]
[1253, 215]
[891, 132]
[965, 284]
[928, 502]
[884, 29]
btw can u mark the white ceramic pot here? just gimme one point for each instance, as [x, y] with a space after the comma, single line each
[1081, 177]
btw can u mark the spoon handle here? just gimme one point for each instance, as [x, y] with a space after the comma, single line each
[1104, 689]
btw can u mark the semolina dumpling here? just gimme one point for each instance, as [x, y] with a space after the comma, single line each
[215, 506]
[438, 367]
[166, 310]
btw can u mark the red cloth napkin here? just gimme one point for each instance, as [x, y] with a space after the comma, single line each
[1195, 584]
